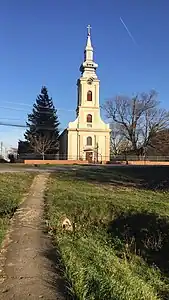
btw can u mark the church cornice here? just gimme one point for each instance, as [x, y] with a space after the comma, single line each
[86, 78]
[89, 130]
[89, 107]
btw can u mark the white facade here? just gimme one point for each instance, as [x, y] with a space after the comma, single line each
[88, 137]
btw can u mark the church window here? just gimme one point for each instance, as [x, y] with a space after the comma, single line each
[89, 118]
[89, 96]
[89, 141]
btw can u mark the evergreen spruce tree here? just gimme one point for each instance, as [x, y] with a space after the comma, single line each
[43, 132]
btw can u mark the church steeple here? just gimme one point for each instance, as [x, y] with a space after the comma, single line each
[88, 67]
[88, 53]
[88, 137]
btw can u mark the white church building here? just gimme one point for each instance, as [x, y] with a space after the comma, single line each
[88, 137]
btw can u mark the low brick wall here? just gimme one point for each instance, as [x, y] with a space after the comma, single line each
[55, 162]
[84, 162]
[148, 163]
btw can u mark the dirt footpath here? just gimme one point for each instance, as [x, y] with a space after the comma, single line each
[28, 265]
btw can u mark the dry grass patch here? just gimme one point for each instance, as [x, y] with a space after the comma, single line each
[12, 189]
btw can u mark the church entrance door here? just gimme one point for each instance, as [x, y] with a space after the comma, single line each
[89, 156]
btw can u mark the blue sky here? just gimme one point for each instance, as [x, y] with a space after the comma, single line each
[42, 43]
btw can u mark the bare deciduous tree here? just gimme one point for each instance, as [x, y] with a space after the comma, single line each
[118, 142]
[138, 118]
[42, 144]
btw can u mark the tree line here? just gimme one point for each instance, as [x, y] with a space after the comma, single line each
[138, 126]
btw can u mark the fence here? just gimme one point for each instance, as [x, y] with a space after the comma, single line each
[33, 156]
[136, 158]
[99, 159]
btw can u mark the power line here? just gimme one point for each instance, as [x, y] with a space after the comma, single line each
[25, 126]
[12, 108]
[11, 119]
[24, 104]
[13, 125]
[21, 109]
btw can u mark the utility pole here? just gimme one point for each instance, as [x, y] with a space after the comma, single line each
[1, 146]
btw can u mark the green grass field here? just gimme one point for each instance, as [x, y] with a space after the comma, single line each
[12, 189]
[119, 245]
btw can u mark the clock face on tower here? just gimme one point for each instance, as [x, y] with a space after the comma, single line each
[90, 80]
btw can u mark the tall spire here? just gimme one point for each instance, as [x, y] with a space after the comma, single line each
[88, 54]
[89, 66]
[88, 37]
[88, 29]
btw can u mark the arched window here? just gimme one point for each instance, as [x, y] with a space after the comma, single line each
[89, 118]
[89, 96]
[89, 141]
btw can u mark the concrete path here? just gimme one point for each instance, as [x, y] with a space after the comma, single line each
[28, 263]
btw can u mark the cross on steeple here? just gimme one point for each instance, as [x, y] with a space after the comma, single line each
[88, 67]
[89, 29]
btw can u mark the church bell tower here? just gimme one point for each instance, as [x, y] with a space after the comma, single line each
[88, 137]
[88, 84]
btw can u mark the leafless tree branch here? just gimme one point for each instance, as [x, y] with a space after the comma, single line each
[42, 144]
[138, 118]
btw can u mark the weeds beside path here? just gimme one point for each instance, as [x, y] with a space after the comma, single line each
[13, 188]
[119, 246]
